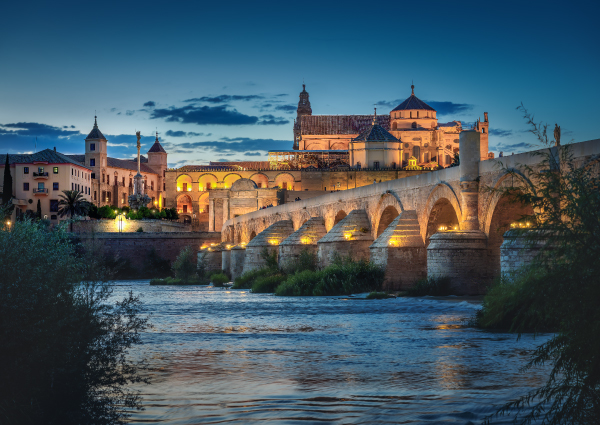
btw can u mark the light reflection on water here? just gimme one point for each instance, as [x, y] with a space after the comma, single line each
[224, 356]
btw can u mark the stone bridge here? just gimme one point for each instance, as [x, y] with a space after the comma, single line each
[443, 223]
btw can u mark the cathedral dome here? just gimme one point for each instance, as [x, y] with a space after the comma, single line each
[413, 103]
[375, 133]
[95, 133]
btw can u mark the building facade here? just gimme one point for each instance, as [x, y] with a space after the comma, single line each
[42, 177]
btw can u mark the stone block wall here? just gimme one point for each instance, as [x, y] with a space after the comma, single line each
[135, 246]
[462, 257]
[129, 226]
[350, 237]
[268, 239]
[305, 238]
[238, 257]
[517, 252]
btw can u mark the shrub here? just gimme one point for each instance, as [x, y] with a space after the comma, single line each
[267, 284]
[193, 280]
[219, 279]
[246, 280]
[140, 229]
[379, 296]
[436, 286]
[106, 212]
[307, 260]
[300, 284]
[64, 343]
[270, 258]
[155, 265]
[184, 267]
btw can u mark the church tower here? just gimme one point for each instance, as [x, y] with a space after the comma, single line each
[303, 109]
[483, 128]
[96, 150]
[157, 160]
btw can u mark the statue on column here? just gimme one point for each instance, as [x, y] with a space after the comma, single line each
[139, 198]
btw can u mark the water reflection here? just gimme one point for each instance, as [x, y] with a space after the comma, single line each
[226, 356]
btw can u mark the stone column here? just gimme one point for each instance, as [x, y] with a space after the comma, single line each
[225, 210]
[211, 215]
[469, 179]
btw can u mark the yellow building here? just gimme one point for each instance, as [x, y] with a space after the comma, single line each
[43, 176]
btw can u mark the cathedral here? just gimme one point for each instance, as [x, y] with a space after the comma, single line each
[411, 130]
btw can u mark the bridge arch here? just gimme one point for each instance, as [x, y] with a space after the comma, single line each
[388, 208]
[441, 209]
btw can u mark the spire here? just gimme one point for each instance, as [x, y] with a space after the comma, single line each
[96, 133]
[95, 121]
[412, 87]
[375, 117]
[156, 136]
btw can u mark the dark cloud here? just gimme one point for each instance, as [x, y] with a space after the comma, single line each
[232, 145]
[224, 98]
[272, 120]
[500, 133]
[253, 154]
[511, 148]
[172, 133]
[113, 109]
[28, 129]
[290, 109]
[129, 113]
[203, 115]
[441, 107]
[150, 104]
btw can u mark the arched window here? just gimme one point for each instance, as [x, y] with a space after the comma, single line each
[414, 124]
[417, 114]
[411, 114]
[395, 126]
[394, 165]
[358, 165]
[483, 130]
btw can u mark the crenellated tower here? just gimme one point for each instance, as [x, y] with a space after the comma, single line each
[303, 109]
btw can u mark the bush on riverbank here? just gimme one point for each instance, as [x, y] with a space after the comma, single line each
[433, 286]
[267, 284]
[379, 296]
[246, 280]
[63, 358]
[219, 279]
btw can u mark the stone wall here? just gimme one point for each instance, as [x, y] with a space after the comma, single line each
[135, 246]
[128, 226]
[351, 237]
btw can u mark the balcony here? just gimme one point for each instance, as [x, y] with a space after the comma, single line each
[40, 191]
[40, 176]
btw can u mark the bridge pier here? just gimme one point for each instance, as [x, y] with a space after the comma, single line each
[401, 251]
[270, 238]
[351, 237]
[305, 238]
[462, 257]
[211, 258]
[226, 259]
[238, 256]
[517, 251]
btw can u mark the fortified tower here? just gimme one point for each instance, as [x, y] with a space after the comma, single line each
[483, 128]
[157, 160]
[303, 109]
[96, 151]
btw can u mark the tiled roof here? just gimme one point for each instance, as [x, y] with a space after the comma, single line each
[190, 168]
[129, 164]
[156, 147]
[339, 124]
[375, 133]
[413, 102]
[78, 158]
[95, 133]
[47, 155]
[252, 165]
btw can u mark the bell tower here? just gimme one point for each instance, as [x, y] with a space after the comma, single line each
[483, 127]
[303, 109]
[96, 150]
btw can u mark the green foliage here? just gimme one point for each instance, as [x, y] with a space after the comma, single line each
[192, 280]
[379, 296]
[155, 265]
[436, 286]
[184, 267]
[106, 212]
[7, 193]
[246, 280]
[307, 260]
[38, 210]
[64, 346]
[219, 279]
[125, 209]
[140, 229]
[270, 258]
[343, 277]
[72, 203]
[93, 211]
[560, 288]
[171, 214]
[267, 284]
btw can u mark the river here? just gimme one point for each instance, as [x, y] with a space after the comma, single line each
[229, 356]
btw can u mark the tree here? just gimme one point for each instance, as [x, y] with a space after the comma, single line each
[7, 192]
[72, 203]
[561, 287]
[38, 211]
[64, 342]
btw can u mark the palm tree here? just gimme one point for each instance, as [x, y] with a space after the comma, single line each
[72, 203]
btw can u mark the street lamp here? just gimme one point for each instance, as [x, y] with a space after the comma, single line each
[120, 223]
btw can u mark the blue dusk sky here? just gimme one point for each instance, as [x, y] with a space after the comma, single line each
[220, 80]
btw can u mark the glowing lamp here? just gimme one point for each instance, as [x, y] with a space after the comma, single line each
[442, 228]
[273, 241]
[348, 236]
[306, 240]
[393, 242]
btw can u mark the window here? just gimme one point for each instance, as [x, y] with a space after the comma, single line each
[376, 165]
[414, 124]
[417, 114]
[123, 181]
[93, 175]
[72, 172]
[53, 205]
[95, 195]
[41, 170]
[92, 162]
[151, 185]
[103, 178]
[25, 187]
[153, 200]
[55, 170]
[92, 146]
[55, 186]
[53, 217]
[184, 208]
[41, 186]
[72, 186]
[107, 179]
[108, 196]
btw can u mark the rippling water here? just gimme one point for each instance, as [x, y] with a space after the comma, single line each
[228, 356]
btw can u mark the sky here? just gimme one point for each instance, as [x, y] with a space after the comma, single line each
[220, 81]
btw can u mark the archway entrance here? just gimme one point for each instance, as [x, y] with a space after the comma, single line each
[442, 217]
[339, 217]
[507, 211]
[252, 235]
[387, 216]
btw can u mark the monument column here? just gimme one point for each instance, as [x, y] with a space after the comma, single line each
[211, 215]
[225, 210]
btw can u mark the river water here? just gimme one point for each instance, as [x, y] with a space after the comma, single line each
[229, 356]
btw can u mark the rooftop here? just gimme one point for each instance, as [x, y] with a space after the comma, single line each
[413, 102]
[339, 124]
[47, 155]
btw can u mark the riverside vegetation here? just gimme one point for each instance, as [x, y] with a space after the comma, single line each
[303, 278]
[559, 290]
[64, 345]
[187, 271]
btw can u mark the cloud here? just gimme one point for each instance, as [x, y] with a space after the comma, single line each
[32, 129]
[441, 107]
[227, 145]
[203, 115]
[272, 120]
[150, 104]
[512, 148]
[172, 133]
[129, 113]
[253, 154]
[224, 98]
[289, 109]
[113, 109]
[500, 133]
